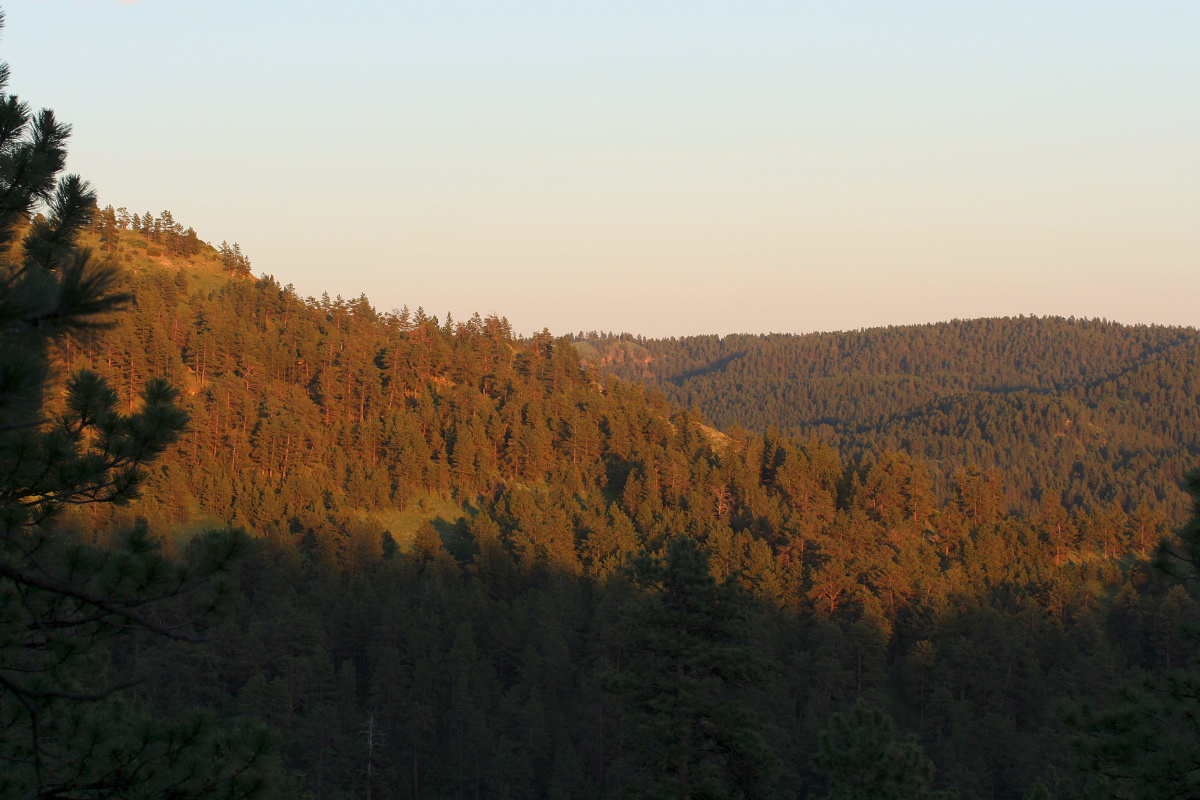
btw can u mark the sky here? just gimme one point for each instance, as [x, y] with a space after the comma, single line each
[662, 168]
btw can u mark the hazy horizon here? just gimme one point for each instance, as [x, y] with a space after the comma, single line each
[663, 169]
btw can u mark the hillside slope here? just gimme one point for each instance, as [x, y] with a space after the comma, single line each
[444, 516]
[1092, 410]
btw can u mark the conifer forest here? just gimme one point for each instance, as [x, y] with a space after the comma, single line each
[259, 545]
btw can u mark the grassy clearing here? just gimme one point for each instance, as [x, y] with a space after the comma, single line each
[184, 532]
[400, 523]
[403, 523]
[205, 269]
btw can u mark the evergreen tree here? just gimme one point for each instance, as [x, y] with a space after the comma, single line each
[685, 656]
[863, 760]
[65, 728]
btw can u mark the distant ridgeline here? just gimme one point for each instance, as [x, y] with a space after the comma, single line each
[1090, 410]
[445, 511]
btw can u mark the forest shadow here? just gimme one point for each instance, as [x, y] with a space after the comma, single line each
[718, 365]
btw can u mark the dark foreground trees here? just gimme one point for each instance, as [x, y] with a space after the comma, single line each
[687, 654]
[1146, 745]
[67, 729]
[864, 760]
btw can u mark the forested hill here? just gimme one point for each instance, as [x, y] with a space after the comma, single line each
[1093, 410]
[444, 517]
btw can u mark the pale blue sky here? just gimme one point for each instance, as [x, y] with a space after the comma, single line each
[661, 168]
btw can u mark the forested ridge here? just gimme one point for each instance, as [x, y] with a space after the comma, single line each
[1094, 411]
[257, 545]
[443, 595]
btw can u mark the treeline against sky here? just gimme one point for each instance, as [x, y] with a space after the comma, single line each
[156, 237]
[1092, 411]
[481, 650]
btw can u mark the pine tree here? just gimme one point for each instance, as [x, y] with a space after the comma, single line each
[65, 728]
[863, 760]
[685, 656]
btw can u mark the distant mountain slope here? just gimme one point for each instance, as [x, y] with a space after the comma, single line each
[1095, 410]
